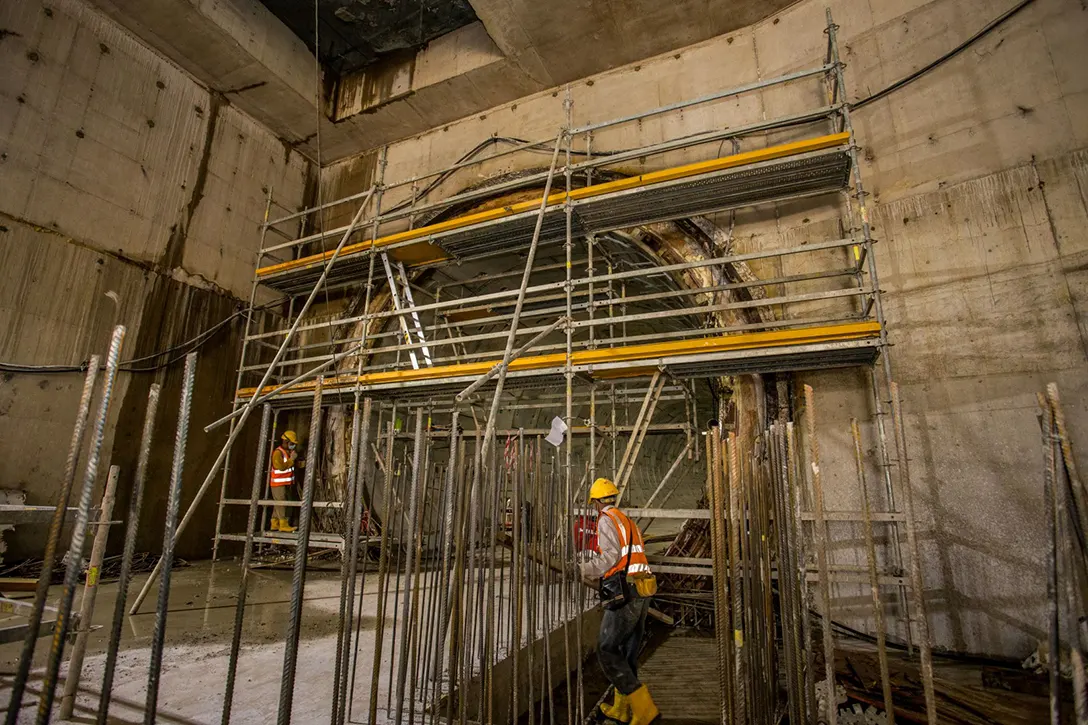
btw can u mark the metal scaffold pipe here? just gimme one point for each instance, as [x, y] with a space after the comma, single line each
[505, 364]
[243, 414]
[529, 259]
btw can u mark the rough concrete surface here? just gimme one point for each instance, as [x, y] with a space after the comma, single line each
[200, 623]
[242, 50]
[118, 172]
[198, 637]
[976, 176]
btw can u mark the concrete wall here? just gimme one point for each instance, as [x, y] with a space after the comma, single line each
[119, 172]
[976, 175]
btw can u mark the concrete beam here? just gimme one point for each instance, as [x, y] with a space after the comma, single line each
[455, 76]
[564, 40]
[240, 49]
[236, 47]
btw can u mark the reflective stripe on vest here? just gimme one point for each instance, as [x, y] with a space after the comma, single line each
[639, 564]
[283, 476]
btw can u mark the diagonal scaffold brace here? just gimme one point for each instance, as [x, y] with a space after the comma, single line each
[244, 412]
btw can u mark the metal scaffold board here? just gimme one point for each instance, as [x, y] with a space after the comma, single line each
[317, 540]
[802, 168]
[827, 346]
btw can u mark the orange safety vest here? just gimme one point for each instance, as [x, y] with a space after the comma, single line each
[283, 476]
[630, 543]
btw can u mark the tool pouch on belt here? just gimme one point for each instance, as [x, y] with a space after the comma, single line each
[645, 584]
[614, 591]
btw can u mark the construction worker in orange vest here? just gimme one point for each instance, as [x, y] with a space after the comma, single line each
[282, 477]
[625, 582]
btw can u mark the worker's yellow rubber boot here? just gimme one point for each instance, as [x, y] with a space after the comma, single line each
[274, 525]
[643, 709]
[619, 710]
[286, 527]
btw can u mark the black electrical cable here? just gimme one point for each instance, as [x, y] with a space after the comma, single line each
[993, 25]
[183, 349]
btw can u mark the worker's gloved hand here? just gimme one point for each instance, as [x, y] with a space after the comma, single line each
[302, 463]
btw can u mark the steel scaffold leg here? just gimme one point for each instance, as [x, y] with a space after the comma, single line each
[243, 414]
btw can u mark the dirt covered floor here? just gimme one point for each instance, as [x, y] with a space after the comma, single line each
[199, 628]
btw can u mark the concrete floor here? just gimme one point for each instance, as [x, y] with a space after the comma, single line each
[198, 637]
[199, 628]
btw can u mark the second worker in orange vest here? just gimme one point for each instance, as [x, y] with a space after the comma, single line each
[282, 478]
[625, 583]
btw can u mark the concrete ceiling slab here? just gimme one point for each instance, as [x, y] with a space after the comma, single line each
[242, 50]
[564, 40]
[356, 33]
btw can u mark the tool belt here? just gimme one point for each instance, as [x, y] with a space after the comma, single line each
[614, 591]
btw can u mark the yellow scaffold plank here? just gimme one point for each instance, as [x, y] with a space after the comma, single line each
[632, 182]
[649, 352]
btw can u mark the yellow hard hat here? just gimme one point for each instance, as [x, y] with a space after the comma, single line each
[602, 488]
[290, 436]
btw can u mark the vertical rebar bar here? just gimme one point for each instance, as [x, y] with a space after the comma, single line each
[298, 574]
[383, 575]
[789, 604]
[90, 591]
[343, 624]
[79, 533]
[413, 507]
[358, 483]
[135, 505]
[45, 578]
[820, 527]
[916, 584]
[447, 541]
[173, 501]
[723, 629]
[874, 582]
[247, 557]
[735, 516]
[1046, 421]
[799, 572]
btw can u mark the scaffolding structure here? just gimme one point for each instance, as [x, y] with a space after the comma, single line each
[472, 537]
